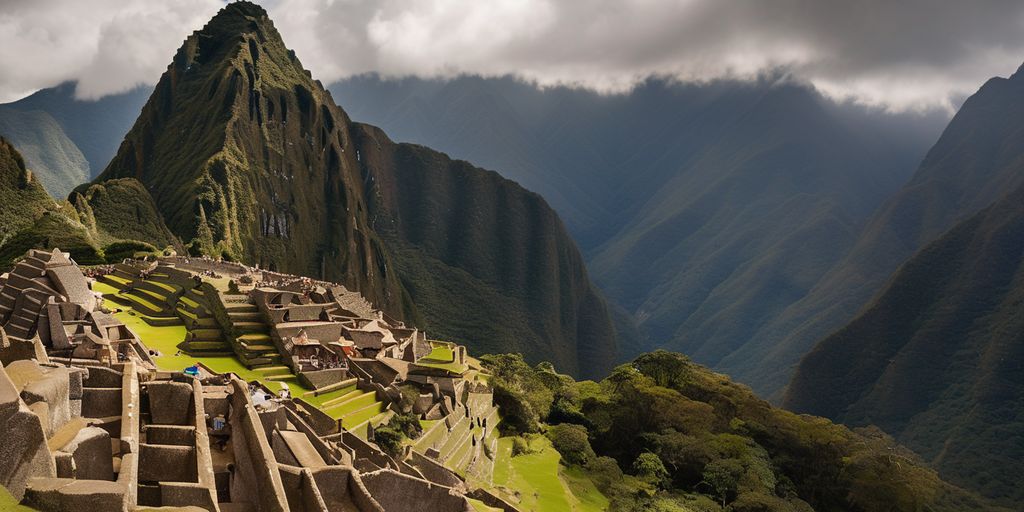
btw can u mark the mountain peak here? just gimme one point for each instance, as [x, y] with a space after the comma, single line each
[242, 8]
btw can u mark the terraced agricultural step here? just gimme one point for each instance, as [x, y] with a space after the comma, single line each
[207, 334]
[270, 371]
[343, 397]
[257, 362]
[208, 322]
[362, 415]
[115, 280]
[240, 307]
[150, 295]
[454, 438]
[245, 316]
[352, 404]
[161, 321]
[208, 345]
[167, 287]
[254, 339]
[260, 348]
[241, 328]
[278, 377]
[141, 304]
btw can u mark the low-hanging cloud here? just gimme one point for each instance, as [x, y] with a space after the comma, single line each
[913, 54]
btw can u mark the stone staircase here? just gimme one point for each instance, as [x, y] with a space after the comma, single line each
[249, 334]
[205, 336]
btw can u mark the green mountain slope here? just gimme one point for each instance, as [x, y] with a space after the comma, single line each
[55, 159]
[247, 157]
[30, 218]
[22, 197]
[938, 358]
[977, 158]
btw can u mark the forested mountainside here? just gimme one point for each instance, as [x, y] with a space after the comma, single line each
[246, 157]
[663, 433]
[705, 210]
[22, 197]
[937, 360]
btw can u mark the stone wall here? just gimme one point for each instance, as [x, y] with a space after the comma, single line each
[23, 451]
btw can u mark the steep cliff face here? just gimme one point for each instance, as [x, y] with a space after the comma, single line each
[248, 157]
[938, 359]
[487, 262]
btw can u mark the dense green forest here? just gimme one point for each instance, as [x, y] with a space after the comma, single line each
[664, 433]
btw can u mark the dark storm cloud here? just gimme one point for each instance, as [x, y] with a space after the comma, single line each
[900, 55]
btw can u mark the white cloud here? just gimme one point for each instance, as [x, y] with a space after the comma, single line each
[109, 46]
[914, 54]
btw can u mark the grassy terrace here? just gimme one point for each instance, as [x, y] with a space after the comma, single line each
[442, 356]
[166, 340]
[352, 410]
[543, 484]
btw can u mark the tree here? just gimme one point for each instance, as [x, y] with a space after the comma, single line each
[649, 468]
[723, 476]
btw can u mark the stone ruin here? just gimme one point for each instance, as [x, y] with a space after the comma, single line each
[89, 422]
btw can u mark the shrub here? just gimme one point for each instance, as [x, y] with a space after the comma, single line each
[572, 443]
[520, 447]
[389, 440]
[407, 424]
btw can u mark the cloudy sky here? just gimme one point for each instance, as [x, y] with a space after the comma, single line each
[911, 54]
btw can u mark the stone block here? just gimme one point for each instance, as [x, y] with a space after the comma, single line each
[171, 403]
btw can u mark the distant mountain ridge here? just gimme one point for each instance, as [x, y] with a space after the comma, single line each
[246, 157]
[54, 158]
[95, 126]
[937, 357]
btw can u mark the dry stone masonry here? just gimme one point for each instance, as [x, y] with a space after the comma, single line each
[91, 421]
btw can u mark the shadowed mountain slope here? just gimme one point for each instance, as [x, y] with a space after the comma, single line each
[491, 259]
[937, 359]
[978, 157]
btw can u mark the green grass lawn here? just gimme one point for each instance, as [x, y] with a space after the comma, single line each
[543, 484]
